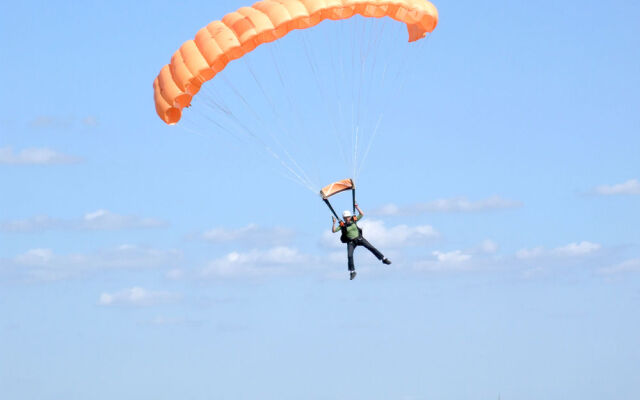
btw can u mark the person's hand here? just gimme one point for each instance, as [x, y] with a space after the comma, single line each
[334, 219]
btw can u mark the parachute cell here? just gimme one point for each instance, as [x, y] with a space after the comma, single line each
[241, 31]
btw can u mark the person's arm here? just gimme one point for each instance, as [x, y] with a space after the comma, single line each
[360, 213]
[334, 228]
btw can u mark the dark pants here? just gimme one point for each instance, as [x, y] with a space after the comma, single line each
[351, 246]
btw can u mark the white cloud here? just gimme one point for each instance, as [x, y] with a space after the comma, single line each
[488, 246]
[376, 232]
[36, 257]
[538, 261]
[45, 264]
[399, 235]
[276, 261]
[175, 274]
[455, 260]
[136, 296]
[106, 220]
[631, 186]
[530, 253]
[50, 122]
[37, 223]
[632, 265]
[575, 249]
[251, 234]
[388, 209]
[35, 156]
[529, 261]
[97, 220]
[452, 257]
[451, 205]
[578, 249]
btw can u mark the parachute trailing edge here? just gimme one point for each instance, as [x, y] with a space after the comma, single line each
[238, 33]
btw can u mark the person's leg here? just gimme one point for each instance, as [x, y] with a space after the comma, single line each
[350, 247]
[364, 242]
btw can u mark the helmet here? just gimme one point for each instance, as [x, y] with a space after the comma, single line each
[346, 214]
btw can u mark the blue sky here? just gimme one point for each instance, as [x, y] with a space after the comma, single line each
[144, 261]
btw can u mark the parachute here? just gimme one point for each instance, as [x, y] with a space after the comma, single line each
[342, 81]
[240, 32]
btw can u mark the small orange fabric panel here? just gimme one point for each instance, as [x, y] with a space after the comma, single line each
[207, 46]
[336, 187]
[242, 31]
[196, 63]
[171, 114]
[168, 87]
[261, 24]
[179, 71]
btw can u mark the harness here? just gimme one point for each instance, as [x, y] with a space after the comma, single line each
[343, 232]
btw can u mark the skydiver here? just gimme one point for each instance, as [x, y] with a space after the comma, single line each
[352, 236]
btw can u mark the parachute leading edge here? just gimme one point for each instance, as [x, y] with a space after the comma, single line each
[238, 33]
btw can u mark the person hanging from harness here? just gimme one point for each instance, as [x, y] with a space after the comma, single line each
[352, 236]
[351, 232]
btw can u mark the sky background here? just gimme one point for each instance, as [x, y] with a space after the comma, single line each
[139, 260]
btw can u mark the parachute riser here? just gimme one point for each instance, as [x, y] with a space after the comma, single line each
[353, 197]
[332, 210]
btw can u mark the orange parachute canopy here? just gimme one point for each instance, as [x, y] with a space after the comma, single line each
[337, 187]
[239, 32]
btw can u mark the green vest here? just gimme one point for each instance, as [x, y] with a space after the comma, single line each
[352, 231]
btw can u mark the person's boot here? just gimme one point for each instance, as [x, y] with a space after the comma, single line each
[386, 261]
[352, 275]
